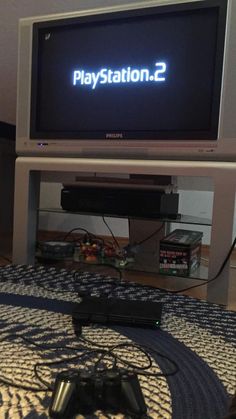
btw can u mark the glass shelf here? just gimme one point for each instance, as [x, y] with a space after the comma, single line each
[181, 218]
[142, 265]
[199, 274]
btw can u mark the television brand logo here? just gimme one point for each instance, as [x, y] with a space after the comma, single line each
[122, 76]
[114, 136]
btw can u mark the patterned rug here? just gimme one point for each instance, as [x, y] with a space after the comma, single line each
[36, 328]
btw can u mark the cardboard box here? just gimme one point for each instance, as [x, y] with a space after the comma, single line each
[180, 252]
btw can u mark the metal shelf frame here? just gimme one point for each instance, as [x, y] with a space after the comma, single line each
[28, 175]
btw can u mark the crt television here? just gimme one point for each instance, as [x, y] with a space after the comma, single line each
[145, 80]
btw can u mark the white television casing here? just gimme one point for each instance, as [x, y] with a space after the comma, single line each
[223, 148]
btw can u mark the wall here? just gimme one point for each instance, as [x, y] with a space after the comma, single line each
[198, 203]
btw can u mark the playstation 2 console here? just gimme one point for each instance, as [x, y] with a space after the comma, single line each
[116, 311]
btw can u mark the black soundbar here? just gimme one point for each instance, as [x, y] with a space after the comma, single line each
[120, 201]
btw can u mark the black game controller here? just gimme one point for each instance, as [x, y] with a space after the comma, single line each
[111, 391]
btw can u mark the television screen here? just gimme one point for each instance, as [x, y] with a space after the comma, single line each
[152, 73]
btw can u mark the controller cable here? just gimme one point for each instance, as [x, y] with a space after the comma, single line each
[86, 352]
[143, 349]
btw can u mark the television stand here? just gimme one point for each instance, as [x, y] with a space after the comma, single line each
[27, 187]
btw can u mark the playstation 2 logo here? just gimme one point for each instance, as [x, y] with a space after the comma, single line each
[116, 135]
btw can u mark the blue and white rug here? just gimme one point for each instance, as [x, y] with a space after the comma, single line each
[36, 328]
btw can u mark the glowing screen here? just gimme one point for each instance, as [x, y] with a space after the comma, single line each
[124, 75]
[144, 73]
